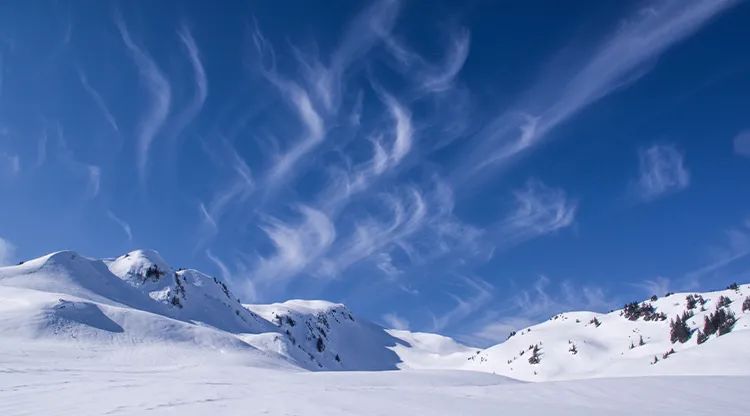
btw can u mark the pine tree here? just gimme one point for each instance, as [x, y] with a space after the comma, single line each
[535, 358]
[691, 301]
[679, 330]
[746, 304]
[701, 337]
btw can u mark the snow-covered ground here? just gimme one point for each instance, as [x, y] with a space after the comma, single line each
[57, 379]
[132, 335]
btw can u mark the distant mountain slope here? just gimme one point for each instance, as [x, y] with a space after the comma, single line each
[138, 299]
[327, 336]
[635, 340]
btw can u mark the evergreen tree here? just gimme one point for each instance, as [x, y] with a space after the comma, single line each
[746, 304]
[691, 301]
[679, 330]
[701, 337]
[535, 357]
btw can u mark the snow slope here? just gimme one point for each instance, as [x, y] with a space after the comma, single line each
[132, 335]
[55, 379]
[327, 336]
[576, 345]
[138, 298]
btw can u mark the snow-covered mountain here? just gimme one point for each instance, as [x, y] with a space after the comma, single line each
[636, 340]
[139, 299]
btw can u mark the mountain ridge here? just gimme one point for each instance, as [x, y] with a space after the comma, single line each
[139, 299]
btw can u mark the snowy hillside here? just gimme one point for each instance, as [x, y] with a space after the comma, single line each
[636, 340]
[139, 299]
[87, 336]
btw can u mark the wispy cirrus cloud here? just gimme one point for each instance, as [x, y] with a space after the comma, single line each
[433, 78]
[481, 294]
[539, 210]
[734, 249]
[542, 300]
[7, 252]
[296, 246]
[658, 286]
[237, 190]
[407, 215]
[10, 164]
[394, 321]
[122, 223]
[620, 60]
[314, 133]
[226, 275]
[94, 180]
[98, 99]
[160, 97]
[363, 33]
[662, 171]
[194, 106]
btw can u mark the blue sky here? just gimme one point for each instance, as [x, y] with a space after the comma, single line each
[463, 168]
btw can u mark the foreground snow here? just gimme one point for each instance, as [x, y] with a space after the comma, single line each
[54, 378]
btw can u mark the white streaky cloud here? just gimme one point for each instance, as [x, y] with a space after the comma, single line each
[122, 223]
[295, 246]
[226, 275]
[539, 210]
[658, 286]
[363, 33]
[442, 78]
[618, 61]
[347, 182]
[41, 154]
[661, 171]
[734, 249]
[98, 100]
[94, 180]
[538, 303]
[91, 172]
[195, 105]
[314, 132]
[482, 294]
[384, 262]
[7, 252]
[370, 236]
[10, 164]
[432, 77]
[498, 330]
[237, 191]
[742, 144]
[393, 321]
[207, 218]
[402, 142]
[160, 96]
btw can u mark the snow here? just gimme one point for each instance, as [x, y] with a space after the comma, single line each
[132, 334]
[53, 378]
[605, 350]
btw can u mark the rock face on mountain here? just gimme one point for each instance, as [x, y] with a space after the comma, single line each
[138, 299]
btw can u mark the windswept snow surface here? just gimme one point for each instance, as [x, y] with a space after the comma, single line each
[57, 379]
[132, 335]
